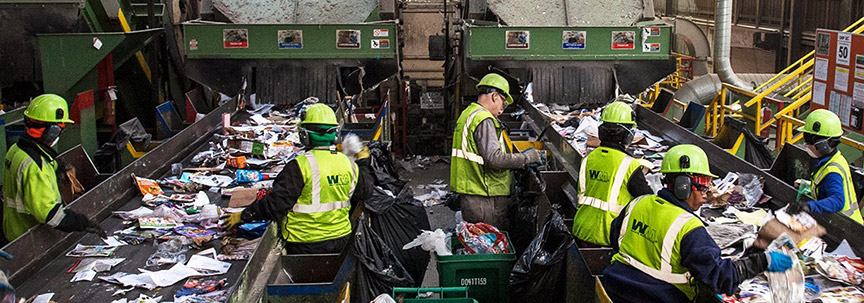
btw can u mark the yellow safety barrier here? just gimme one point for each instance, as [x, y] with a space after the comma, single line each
[797, 78]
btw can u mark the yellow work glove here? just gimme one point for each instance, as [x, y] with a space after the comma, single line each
[363, 154]
[233, 219]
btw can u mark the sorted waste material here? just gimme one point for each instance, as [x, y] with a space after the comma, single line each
[147, 186]
[169, 252]
[95, 264]
[92, 251]
[843, 269]
[786, 286]
[481, 238]
[431, 241]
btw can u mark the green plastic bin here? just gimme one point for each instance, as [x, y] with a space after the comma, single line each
[446, 294]
[487, 276]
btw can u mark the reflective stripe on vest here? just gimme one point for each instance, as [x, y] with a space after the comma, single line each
[315, 178]
[614, 192]
[665, 273]
[838, 164]
[464, 153]
[850, 205]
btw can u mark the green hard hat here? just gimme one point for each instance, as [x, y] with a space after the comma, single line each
[686, 158]
[497, 81]
[823, 123]
[618, 112]
[48, 108]
[319, 114]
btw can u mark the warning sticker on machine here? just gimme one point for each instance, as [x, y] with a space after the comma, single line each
[650, 47]
[517, 40]
[650, 32]
[381, 32]
[623, 40]
[193, 44]
[573, 40]
[235, 38]
[380, 43]
[347, 38]
[290, 39]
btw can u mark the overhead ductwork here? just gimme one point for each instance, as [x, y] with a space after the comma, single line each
[722, 44]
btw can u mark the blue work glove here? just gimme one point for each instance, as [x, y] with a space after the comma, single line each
[778, 261]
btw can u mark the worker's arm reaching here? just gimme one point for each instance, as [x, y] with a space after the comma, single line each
[490, 150]
[48, 210]
[831, 196]
[701, 256]
[287, 187]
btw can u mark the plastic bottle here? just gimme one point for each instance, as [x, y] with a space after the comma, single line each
[245, 175]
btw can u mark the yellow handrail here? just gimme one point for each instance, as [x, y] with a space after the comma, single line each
[800, 61]
[805, 82]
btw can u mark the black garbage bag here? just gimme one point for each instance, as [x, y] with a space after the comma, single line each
[538, 275]
[756, 151]
[527, 186]
[382, 164]
[377, 269]
[399, 220]
[453, 201]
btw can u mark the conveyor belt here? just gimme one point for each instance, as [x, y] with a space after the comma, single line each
[40, 263]
[838, 227]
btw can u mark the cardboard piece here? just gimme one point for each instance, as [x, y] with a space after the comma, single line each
[242, 197]
[773, 229]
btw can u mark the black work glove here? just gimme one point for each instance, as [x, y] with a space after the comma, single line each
[796, 207]
[750, 265]
[94, 228]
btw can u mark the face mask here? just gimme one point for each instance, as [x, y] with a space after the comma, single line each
[810, 151]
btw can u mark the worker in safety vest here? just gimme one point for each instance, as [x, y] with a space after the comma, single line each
[609, 177]
[311, 197]
[663, 248]
[831, 180]
[30, 192]
[481, 160]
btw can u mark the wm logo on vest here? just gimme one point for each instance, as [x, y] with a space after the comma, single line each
[598, 175]
[644, 230]
[343, 179]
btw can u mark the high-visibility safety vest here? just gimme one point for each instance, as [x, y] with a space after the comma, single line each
[30, 192]
[603, 193]
[837, 164]
[322, 211]
[468, 175]
[650, 240]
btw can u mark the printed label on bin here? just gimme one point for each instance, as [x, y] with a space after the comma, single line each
[347, 38]
[290, 39]
[235, 38]
[623, 40]
[517, 40]
[650, 47]
[573, 39]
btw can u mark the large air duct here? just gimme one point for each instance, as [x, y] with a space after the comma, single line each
[722, 44]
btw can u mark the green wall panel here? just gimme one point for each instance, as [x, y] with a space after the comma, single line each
[546, 43]
[319, 41]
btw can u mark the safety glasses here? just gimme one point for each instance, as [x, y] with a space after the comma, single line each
[702, 183]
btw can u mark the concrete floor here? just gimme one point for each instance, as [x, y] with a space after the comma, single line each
[439, 215]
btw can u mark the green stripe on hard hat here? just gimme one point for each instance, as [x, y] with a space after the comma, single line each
[48, 108]
[498, 82]
[686, 158]
[318, 114]
[823, 123]
[618, 112]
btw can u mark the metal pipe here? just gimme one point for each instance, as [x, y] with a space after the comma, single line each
[722, 44]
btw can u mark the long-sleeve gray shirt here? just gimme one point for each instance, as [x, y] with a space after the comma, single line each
[486, 138]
